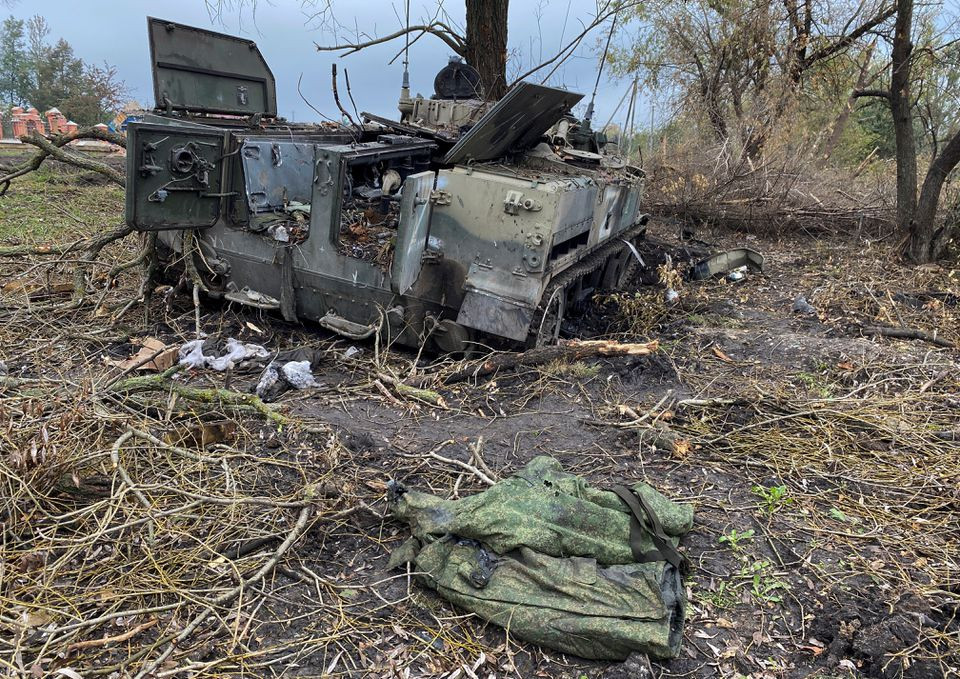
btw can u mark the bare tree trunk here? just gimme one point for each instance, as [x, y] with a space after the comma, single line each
[841, 123]
[926, 241]
[711, 100]
[900, 107]
[486, 44]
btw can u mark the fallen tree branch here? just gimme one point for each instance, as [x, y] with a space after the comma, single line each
[906, 333]
[425, 395]
[77, 159]
[481, 475]
[91, 251]
[55, 143]
[570, 350]
[45, 249]
[162, 382]
[129, 634]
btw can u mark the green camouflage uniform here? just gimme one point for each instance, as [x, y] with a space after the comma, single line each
[556, 561]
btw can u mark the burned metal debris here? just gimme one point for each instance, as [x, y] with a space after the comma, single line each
[727, 262]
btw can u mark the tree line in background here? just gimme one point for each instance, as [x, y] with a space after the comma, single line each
[849, 80]
[812, 87]
[44, 74]
[754, 83]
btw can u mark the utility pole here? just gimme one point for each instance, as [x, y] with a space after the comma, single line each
[628, 123]
[653, 107]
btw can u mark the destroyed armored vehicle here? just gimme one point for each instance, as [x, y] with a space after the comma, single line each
[463, 223]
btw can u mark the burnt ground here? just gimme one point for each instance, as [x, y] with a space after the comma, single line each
[822, 465]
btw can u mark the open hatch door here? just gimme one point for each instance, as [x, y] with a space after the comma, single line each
[206, 72]
[415, 209]
[514, 123]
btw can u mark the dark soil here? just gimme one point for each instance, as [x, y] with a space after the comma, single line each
[821, 582]
[784, 602]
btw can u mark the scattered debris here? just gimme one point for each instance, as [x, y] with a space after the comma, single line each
[36, 290]
[192, 356]
[636, 253]
[737, 274]
[153, 355]
[298, 374]
[725, 262]
[289, 370]
[802, 306]
[368, 233]
[252, 298]
[202, 435]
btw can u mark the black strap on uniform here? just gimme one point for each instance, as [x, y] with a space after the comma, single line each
[643, 520]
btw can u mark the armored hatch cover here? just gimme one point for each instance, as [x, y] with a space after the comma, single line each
[207, 72]
[515, 122]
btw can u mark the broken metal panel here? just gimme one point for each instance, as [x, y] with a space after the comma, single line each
[630, 209]
[727, 261]
[608, 211]
[499, 304]
[276, 173]
[487, 313]
[515, 123]
[412, 233]
[202, 71]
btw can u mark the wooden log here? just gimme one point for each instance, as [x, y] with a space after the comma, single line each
[906, 333]
[571, 350]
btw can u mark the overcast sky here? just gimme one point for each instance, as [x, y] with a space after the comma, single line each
[115, 32]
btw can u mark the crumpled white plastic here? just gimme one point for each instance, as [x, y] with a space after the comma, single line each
[277, 378]
[191, 355]
[299, 375]
[268, 380]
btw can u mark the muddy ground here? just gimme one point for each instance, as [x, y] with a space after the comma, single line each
[822, 463]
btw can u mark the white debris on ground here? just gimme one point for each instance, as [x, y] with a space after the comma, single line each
[737, 274]
[191, 355]
[277, 378]
[269, 380]
[298, 374]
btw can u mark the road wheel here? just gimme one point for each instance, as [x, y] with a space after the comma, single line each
[547, 328]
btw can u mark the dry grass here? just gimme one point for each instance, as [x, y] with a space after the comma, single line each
[262, 554]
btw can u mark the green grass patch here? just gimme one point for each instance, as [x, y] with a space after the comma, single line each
[41, 207]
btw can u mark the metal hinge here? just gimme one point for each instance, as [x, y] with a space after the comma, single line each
[440, 197]
[431, 256]
[515, 200]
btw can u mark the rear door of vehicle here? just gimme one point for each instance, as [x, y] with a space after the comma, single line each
[175, 176]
